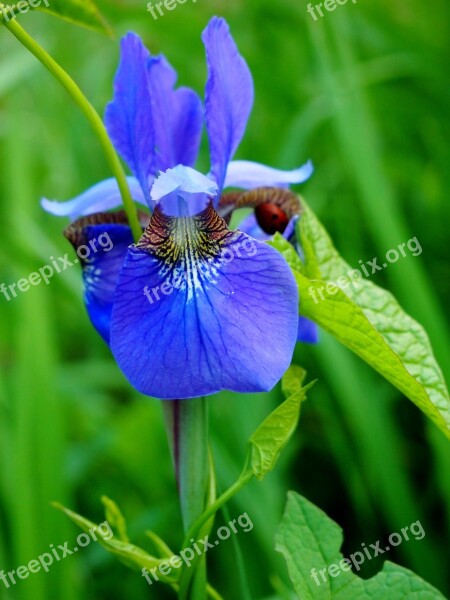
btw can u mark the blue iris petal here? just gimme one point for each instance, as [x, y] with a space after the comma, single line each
[101, 249]
[308, 332]
[249, 175]
[177, 117]
[101, 273]
[229, 96]
[153, 126]
[183, 191]
[199, 309]
[100, 197]
[128, 117]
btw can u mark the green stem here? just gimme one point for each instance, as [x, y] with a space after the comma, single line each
[215, 506]
[187, 425]
[188, 573]
[91, 114]
[199, 528]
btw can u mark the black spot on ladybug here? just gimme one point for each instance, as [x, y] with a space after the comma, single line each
[271, 218]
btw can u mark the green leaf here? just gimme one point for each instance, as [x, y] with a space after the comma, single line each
[310, 542]
[292, 380]
[368, 320]
[273, 434]
[129, 554]
[80, 12]
[115, 518]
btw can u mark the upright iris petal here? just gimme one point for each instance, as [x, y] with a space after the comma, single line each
[152, 125]
[128, 117]
[229, 96]
[177, 117]
[199, 308]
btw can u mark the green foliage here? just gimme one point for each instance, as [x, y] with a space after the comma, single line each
[129, 554]
[115, 518]
[367, 319]
[275, 432]
[265, 447]
[79, 12]
[309, 540]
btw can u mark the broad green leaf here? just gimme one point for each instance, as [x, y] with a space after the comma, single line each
[310, 543]
[79, 12]
[115, 518]
[131, 555]
[274, 433]
[368, 320]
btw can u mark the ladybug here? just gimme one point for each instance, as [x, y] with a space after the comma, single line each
[271, 218]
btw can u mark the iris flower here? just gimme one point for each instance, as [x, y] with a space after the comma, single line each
[194, 307]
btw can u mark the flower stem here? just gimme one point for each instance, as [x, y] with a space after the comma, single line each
[187, 425]
[90, 113]
[200, 526]
[215, 506]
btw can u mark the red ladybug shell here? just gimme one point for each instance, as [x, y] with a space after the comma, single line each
[271, 218]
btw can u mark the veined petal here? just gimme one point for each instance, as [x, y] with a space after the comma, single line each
[183, 191]
[153, 126]
[229, 96]
[101, 197]
[128, 117]
[101, 242]
[248, 175]
[177, 117]
[308, 332]
[199, 308]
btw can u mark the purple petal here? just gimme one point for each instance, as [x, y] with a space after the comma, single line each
[289, 233]
[101, 197]
[183, 191]
[229, 96]
[199, 309]
[249, 175]
[308, 332]
[153, 126]
[101, 242]
[177, 117]
[128, 117]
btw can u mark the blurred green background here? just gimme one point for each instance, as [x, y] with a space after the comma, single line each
[364, 93]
